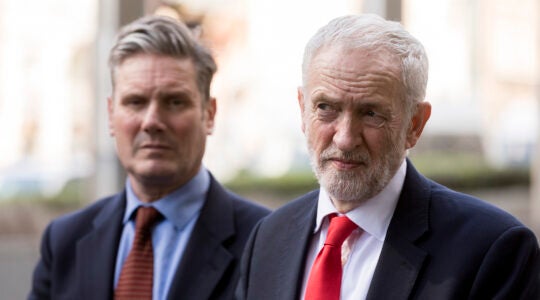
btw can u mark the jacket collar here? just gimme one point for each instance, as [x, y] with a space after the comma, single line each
[206, 259]
[296, 238]
[96, 252]
[401, 260]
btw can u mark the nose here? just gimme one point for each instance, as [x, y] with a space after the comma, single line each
[152, 121]
[347, 135]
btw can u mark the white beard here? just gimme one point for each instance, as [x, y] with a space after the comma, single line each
[359, 184]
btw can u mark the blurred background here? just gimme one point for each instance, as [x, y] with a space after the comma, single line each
[56, 154]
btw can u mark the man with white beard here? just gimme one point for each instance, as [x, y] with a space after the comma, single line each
[376, 228]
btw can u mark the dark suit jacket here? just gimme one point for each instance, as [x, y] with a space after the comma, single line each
[78, 251]
[440, 245]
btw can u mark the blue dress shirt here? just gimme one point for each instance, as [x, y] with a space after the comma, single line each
[180, 210]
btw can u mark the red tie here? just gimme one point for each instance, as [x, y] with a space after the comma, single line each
[324, 281]
[135, 280]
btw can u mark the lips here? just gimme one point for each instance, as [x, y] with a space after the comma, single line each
[159, 146]
[344, 160]
[345, 164]
[155, 146]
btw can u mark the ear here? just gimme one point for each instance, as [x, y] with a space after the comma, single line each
[300, 96]
[418, 122]
[210, 111]
[110, 112]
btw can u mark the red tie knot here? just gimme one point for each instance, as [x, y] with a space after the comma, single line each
[340, 228]
[146, 217]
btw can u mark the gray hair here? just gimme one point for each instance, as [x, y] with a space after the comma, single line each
[372, 32]
[163, 36]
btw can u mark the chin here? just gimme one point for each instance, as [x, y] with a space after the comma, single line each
[156, 179]
[155, 170]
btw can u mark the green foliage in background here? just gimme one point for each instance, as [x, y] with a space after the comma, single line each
[468, 171]
[292, 183]
[458, 171]
[73, 195]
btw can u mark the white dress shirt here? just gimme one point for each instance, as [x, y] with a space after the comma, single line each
[361, 251]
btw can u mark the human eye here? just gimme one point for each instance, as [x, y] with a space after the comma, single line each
[177, 101]
[326, 111]
[133, 101]
[372, 118]
[174, 101]
[324, 106]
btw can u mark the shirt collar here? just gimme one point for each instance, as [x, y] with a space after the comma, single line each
[179, 206]
[374, 215]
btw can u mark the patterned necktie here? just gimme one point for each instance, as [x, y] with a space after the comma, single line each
[136, 280]
[324, 281]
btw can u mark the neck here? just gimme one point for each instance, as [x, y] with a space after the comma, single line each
[344, 207]
[148, 192]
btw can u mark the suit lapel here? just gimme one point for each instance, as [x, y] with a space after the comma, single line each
[96, 252]
[401, 260]
[205, 259]
[295, 243]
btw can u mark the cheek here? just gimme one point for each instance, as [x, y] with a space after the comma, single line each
[377, 140]
[389, 139]
[191, 126]
[320, 136]
[126, 128]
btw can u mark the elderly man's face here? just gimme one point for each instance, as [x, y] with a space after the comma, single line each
[354, 121]
[159, 120]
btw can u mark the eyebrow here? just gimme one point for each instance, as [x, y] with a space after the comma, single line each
[364, 104]
[175, 93]
[131, 94]
[318, 97]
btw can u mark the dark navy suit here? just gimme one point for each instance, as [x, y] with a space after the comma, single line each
[440, 245]
[78, 251]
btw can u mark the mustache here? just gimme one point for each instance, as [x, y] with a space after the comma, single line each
[334, 153]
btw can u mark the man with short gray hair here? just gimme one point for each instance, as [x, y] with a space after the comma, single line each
[376, 228]
[174, 232]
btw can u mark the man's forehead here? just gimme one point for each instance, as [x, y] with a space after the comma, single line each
[353, 71]
[355, 59]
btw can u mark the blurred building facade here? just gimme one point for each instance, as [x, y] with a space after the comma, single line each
[484, 63]
[46, 94]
